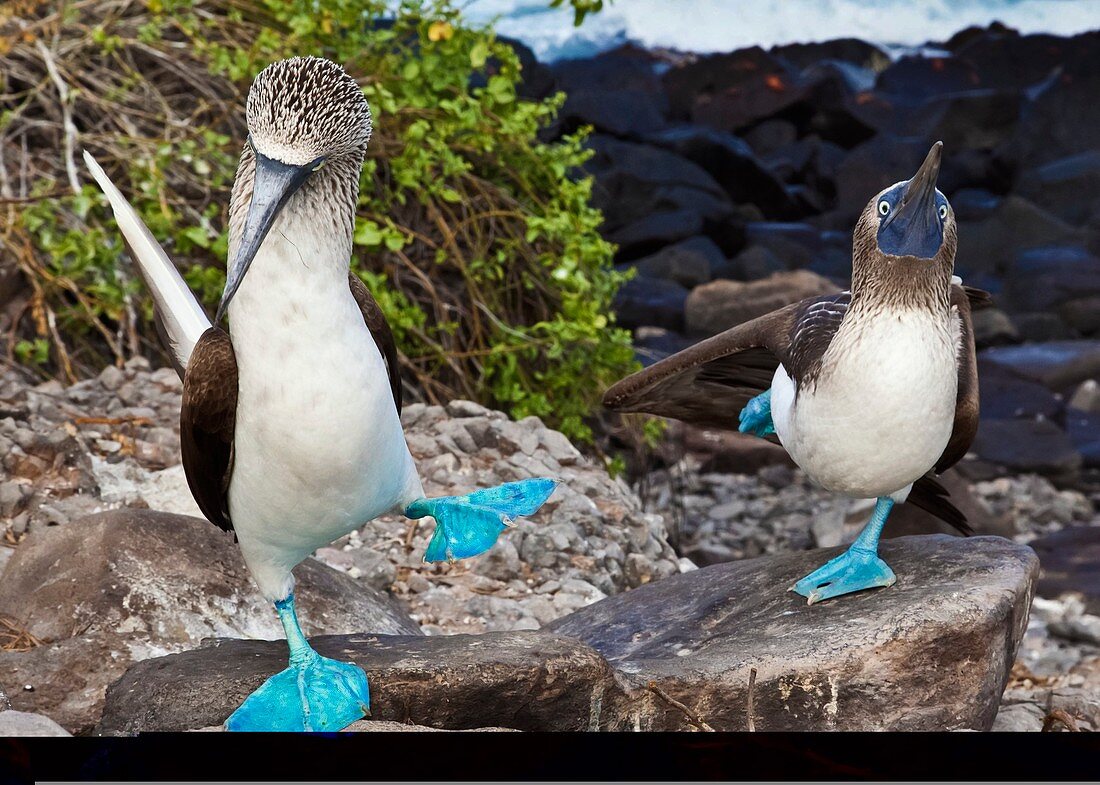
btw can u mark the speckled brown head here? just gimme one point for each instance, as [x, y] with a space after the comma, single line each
[903, 248]
[308, 129]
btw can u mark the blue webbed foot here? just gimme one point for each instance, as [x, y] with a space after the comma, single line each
[756, 417]
[313, 694]
[854, 570]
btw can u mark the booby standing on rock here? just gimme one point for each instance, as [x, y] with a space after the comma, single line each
[870, 391]
[290, 425]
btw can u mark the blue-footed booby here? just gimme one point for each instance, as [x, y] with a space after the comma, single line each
[871, 391]
[290, 424]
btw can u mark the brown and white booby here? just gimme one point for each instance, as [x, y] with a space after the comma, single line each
[871, 391]
[290, 426]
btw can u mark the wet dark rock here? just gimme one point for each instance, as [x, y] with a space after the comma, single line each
[870, 167]
[974, 204]
[1064, 117]
[992, 327]
[655, 230]
[654, 343]
[992, 245]
[1007, 59]
[1082, 314]
[1069, 558]
[743, 176]
[687, 263]
[1063, 187]
[1037, 446]
[1058, 365]
[719, 305]
[1040, 279]
[1083, 429]
[974, 119]
[617, 92]
[795, 244]
[522, 680]
[846, 50]
[652, 303]
[915, 79]
[751, 264]
[771, 135]
[1005, 396]
[886, 660]
[731, 91]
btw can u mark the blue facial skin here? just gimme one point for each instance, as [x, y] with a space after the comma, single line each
[912, 230]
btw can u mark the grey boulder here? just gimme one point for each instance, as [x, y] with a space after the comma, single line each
[122, 586]
[933, 652]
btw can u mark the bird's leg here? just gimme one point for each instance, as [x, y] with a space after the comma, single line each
[857, 568]
[756, 417]
[313, 694]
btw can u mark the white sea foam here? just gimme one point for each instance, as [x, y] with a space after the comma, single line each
[725, 25]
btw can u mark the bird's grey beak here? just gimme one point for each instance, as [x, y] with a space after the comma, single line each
[274, 184]
[913, 227]
[918, 204]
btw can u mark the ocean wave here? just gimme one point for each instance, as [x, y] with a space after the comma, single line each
[724, 25]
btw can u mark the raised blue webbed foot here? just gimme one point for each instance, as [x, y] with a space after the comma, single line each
[854, 570]
[317, 694]
[313, 694]
[756, 417]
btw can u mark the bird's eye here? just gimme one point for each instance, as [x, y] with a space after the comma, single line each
[318, 165]
[943, 212]
[883, 207]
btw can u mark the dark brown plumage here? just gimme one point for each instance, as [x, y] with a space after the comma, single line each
[209, 410]
[709, 383]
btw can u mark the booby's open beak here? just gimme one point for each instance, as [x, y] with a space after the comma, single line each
[914, 225]
[274, 184]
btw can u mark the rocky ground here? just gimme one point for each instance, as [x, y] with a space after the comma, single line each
[109, 443]
[730, 184]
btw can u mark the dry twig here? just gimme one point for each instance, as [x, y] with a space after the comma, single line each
[689, 715]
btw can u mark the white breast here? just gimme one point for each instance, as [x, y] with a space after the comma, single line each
[883, 408]
[318, 449]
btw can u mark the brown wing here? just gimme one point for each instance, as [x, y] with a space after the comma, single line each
[208, 417]
[380, 330]
[966, 403]
[709, 383]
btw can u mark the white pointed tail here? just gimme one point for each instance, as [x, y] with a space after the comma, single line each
[180, 313]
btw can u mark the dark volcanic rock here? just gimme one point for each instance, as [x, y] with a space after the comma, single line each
[1083, 429]
[1041, 279]
[846, 50]
[617, 92]
[733, 164]
[915, 79]
[522, 680]
[1005, 396]
[687, 263]
[875, 164]
[1058, 364]
[649, 302]
[1027, 446]
[884, 660]
[732, 91]
[992, 244]
[656, 229]
[1067, 187]
[1069, 558]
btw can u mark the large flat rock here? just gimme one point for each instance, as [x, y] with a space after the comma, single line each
[932, 652]
[520, 680]
[122, 586]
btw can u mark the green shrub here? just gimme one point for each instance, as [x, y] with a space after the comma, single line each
[478, 240]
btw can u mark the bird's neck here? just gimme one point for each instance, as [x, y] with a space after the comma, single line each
[901, 283]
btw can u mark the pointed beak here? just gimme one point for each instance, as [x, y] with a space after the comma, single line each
[274, 184]
[918, 204]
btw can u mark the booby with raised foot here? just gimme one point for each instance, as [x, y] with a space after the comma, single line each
[290, 425]
[872, 391]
